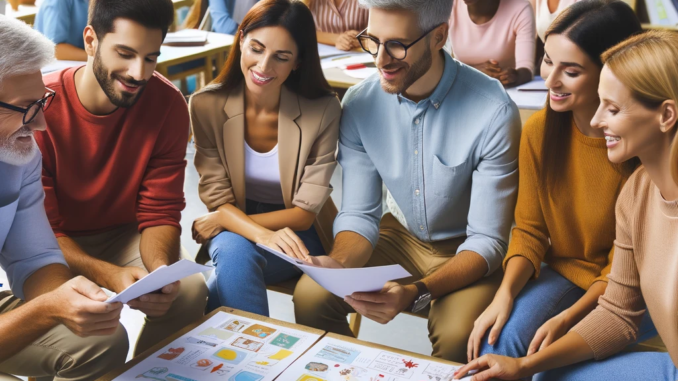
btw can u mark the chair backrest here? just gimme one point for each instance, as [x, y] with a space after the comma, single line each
[206, 23]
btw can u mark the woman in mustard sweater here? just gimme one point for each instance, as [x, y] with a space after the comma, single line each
[638, 114]
[566, 195]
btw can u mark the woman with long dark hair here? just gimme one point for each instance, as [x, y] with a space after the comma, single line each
[566, 195]
[638, 114]
[266, 134]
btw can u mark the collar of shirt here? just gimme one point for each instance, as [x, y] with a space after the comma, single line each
[444, 85]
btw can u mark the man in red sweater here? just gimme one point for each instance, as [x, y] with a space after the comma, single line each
[114, 160]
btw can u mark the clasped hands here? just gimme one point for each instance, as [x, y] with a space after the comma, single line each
[507, 77]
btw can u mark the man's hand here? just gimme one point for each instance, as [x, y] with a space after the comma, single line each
[158, 303]
[119, 278]
[383, 306]
[549, 332]
[325, 261]
[347, 41]
[153, 305]
[80, 305]
[491, 68]
[206, 227]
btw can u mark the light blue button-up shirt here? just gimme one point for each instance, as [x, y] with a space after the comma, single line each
[27, 242]
[450, 161]
[63, 21]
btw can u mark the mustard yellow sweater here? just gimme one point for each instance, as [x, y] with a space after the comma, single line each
[572, 227]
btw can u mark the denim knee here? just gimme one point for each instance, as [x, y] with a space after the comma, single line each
[232, 248]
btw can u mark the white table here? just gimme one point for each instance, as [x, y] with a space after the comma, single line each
[26, 13]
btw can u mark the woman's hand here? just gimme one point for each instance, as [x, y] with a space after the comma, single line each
[286, 241]
[347, 41]
[495, 316]
[494, 366]
[549, 332]
[206, 227]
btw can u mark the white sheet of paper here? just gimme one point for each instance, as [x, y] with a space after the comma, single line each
[335, 360]
[328, 50]
[161, 277]
[225, 347]
[346, 59]
[344, 282]
[530, 100]
[361, 73]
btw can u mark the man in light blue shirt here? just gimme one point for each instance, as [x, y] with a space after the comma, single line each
[444, 139]
[228, 14]
[63, 22]
[49, 323]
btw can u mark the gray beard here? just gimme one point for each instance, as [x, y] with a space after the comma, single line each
[13, 156]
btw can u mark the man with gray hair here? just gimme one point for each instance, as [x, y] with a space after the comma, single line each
[444, 139]
[50, 324]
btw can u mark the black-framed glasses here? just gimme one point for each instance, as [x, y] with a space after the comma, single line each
[34, 108]
[396, 49]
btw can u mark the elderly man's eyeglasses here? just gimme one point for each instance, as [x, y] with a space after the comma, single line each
[34, 108]
[396, 49]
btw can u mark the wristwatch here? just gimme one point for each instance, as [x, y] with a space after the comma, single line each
[423, 297]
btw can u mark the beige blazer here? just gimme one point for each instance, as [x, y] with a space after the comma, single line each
[308, 132]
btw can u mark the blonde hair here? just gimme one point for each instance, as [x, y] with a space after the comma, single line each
[646, 64]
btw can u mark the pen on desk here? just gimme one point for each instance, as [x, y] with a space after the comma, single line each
[544, 90]
[341, 58]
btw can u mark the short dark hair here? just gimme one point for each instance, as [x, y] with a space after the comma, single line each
[308, 80]
[153, 14]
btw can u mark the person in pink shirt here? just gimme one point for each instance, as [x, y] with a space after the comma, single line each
[496, 37]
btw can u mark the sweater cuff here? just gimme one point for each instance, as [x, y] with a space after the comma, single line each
[535, 260]
[604, 333]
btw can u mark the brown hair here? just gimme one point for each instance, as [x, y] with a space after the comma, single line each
[308, 79]
[646, 64]
[594, 26]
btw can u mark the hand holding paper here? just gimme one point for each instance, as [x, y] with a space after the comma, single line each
[161, 277]
[344, 282]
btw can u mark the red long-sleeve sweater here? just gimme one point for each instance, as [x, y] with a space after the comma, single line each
[100, 172]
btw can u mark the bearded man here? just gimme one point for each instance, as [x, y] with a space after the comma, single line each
[444, 139]
[114, 160]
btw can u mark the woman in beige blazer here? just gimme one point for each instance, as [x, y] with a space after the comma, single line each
[266, 135]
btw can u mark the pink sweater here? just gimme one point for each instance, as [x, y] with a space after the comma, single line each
[643, 275]
[509, 37]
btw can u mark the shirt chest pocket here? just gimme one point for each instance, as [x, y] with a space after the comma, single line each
[451, 182]
[7, 213]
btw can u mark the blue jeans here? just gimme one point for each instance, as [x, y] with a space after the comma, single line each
[242, 270]
[628, 366]
[539, 301]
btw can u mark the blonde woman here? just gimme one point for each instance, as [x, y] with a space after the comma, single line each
[638, 113]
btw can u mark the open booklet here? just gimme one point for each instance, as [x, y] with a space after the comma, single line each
[344, 282]
[243, 347]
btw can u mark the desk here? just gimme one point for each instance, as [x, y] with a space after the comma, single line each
[113, 374]
[26, 13]
[528, 102]
[314, 348]
[217, 48]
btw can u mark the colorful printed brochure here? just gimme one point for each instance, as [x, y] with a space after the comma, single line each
[226, 347]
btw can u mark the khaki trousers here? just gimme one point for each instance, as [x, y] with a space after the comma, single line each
[62, 354]
[450, 319]
[120, 247]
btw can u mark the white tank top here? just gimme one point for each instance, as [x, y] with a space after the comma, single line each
[262, 176]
